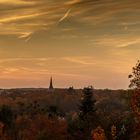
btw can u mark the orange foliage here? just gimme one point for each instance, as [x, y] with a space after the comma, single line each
[98, 134]
[135, 104]
[113, 132]
[40, 127]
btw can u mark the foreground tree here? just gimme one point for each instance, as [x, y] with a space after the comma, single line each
[81, 127]
[6, 123]
[135, 77]
[87, 107]
[87, 113]
[135, 100]
[6, 115]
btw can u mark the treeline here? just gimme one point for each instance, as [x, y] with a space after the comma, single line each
[91, 120]
[80, 116]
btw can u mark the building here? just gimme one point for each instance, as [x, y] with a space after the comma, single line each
[51, 85]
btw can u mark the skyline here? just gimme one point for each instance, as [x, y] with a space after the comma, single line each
[77, 42]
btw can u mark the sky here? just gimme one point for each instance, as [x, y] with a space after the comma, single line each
[77, 42]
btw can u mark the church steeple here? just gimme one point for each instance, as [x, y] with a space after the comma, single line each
[51, 84]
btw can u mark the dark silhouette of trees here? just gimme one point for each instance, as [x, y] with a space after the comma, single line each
[87, 116]
[6, 118]
[87, 106]
[71, 90]
[135, 76]
[135, 99]
[87, 119]
[6, 115]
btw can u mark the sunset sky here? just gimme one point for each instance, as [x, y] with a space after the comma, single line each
[77, 42]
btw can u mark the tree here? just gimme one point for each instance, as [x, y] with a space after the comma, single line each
[135, 76]
[6, 119]
[114, 132]
[135, 99]
[6, 115]
[81, 127]
[87, 106]
[98, 134]
[87, 116]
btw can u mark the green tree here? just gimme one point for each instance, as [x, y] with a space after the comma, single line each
[87, 116]
[6, 115]
[87, 106]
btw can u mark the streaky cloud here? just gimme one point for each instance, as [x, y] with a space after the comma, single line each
[65, 16]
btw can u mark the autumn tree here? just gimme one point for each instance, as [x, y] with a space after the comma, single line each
[135, 99]
[98, 134]
[135, 77]
[114, 132]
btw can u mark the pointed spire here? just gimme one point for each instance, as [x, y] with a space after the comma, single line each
[51, 84]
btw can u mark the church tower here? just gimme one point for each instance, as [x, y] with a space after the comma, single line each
[51, 84]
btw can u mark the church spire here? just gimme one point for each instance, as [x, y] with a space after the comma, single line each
[51, 84]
